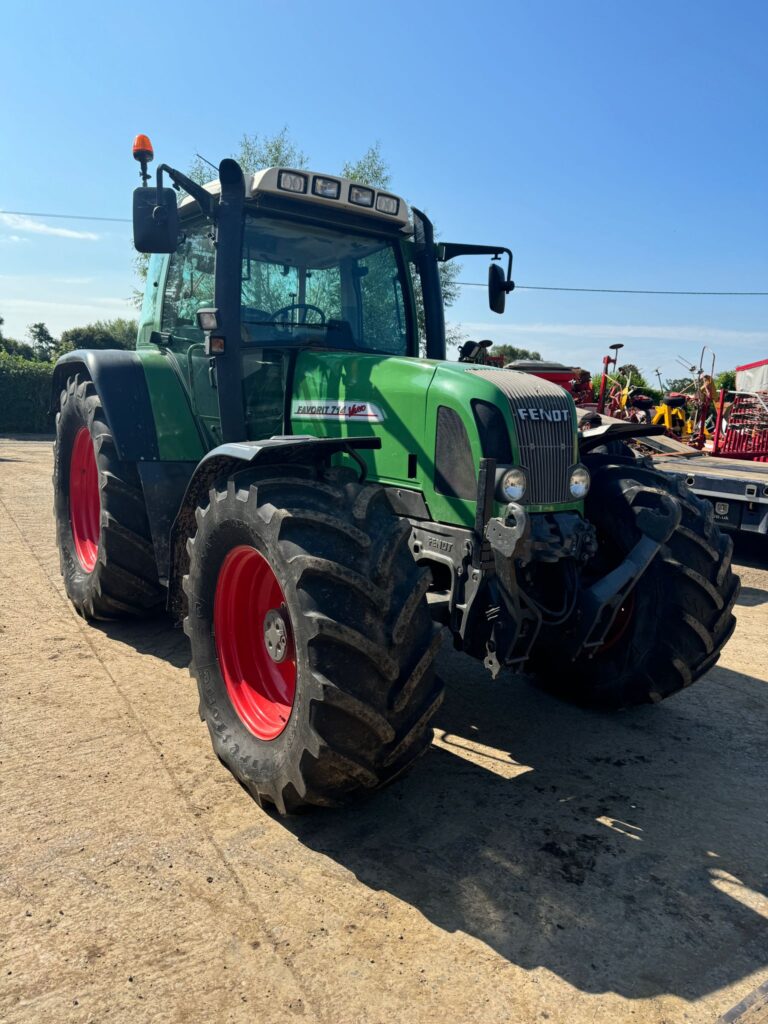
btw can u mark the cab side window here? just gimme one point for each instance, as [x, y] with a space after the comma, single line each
[189, 285]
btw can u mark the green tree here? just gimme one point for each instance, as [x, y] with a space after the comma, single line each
[633, 373]
[13, 347]
[677, 384]
[103, 334]
[16, 348]
[371, 169]
[726, 380]
[42, 341]
[510, 353]
[254, 154]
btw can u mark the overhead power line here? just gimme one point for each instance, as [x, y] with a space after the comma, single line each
[65, 216]
[607, 291]
[466, 284]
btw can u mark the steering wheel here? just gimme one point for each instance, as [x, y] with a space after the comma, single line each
[305, 306]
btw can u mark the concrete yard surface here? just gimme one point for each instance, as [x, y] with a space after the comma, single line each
[541, 863]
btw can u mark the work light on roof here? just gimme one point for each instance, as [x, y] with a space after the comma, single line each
[328, 188]
[387, 204]
[290, 181]
[360, 195]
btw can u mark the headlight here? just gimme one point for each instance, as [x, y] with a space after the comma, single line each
[513, 484]
[579, 481]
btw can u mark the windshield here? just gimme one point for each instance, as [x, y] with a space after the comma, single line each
[302, 284]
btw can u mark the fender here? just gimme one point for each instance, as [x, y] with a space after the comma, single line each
[300, 449]
[122, 388]
[128, 383]
[614, 430]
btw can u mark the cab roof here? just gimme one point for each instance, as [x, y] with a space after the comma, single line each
[342, 193]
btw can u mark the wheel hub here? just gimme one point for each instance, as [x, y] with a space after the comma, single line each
[276, 635]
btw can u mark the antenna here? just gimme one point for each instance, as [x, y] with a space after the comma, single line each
[201, 157]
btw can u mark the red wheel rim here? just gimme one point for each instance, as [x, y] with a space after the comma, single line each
[249, 612]
[84, 500]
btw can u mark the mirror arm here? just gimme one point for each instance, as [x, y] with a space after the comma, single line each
[203, 198]
[450, 250]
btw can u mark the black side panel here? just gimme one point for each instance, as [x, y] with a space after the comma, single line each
[454, 468]
[164, 485]
[494, 436]
[122, 389]
[407, 503]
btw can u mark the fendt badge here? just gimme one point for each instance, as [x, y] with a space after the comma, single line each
[553, 415]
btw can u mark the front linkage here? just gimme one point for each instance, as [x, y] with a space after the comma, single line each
[488, 611]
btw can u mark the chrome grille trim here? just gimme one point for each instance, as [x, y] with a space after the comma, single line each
[547, 449]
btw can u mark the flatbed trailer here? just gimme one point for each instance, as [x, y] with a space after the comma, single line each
[738, 490]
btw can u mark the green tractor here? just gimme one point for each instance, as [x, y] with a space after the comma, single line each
[278, 465]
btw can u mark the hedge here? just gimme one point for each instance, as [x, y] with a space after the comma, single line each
[25, 396]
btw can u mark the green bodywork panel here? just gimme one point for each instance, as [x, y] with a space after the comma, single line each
[404, 395]
[181, 434]
[178, 437]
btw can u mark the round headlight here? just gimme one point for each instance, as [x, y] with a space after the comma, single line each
[513, 484]
[579, 482]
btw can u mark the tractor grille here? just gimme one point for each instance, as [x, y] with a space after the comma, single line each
[547, 448]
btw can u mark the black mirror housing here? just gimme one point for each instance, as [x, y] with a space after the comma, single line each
[155, 220]
[497, 290]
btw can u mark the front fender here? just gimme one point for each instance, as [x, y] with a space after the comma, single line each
[300, 449]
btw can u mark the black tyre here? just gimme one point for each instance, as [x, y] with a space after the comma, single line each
[312, 643]
[106, 554]
[675, 621]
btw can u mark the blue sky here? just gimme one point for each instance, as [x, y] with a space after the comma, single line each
[608, 144]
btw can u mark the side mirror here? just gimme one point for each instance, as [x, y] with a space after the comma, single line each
[155, 220]
[497, 291]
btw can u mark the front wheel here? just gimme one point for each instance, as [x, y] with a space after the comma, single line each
[312, 642]
[675, 621]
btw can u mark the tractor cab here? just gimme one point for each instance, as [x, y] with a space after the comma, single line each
[251, 269]
[322, 263]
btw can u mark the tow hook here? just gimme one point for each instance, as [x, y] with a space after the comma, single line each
[505, 534]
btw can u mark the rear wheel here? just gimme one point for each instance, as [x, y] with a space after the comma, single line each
[312, 642]
[676, 620]
[105, 549]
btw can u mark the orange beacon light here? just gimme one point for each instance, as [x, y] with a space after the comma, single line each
[143, 152]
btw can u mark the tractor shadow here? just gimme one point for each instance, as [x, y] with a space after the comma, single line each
[620, 852]
[155, 636]
[751, 597]
[751, 550]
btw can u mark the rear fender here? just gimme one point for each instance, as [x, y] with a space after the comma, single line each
[122, 389]
[145, 402]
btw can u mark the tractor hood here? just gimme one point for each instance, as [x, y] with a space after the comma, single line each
[437, 420]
